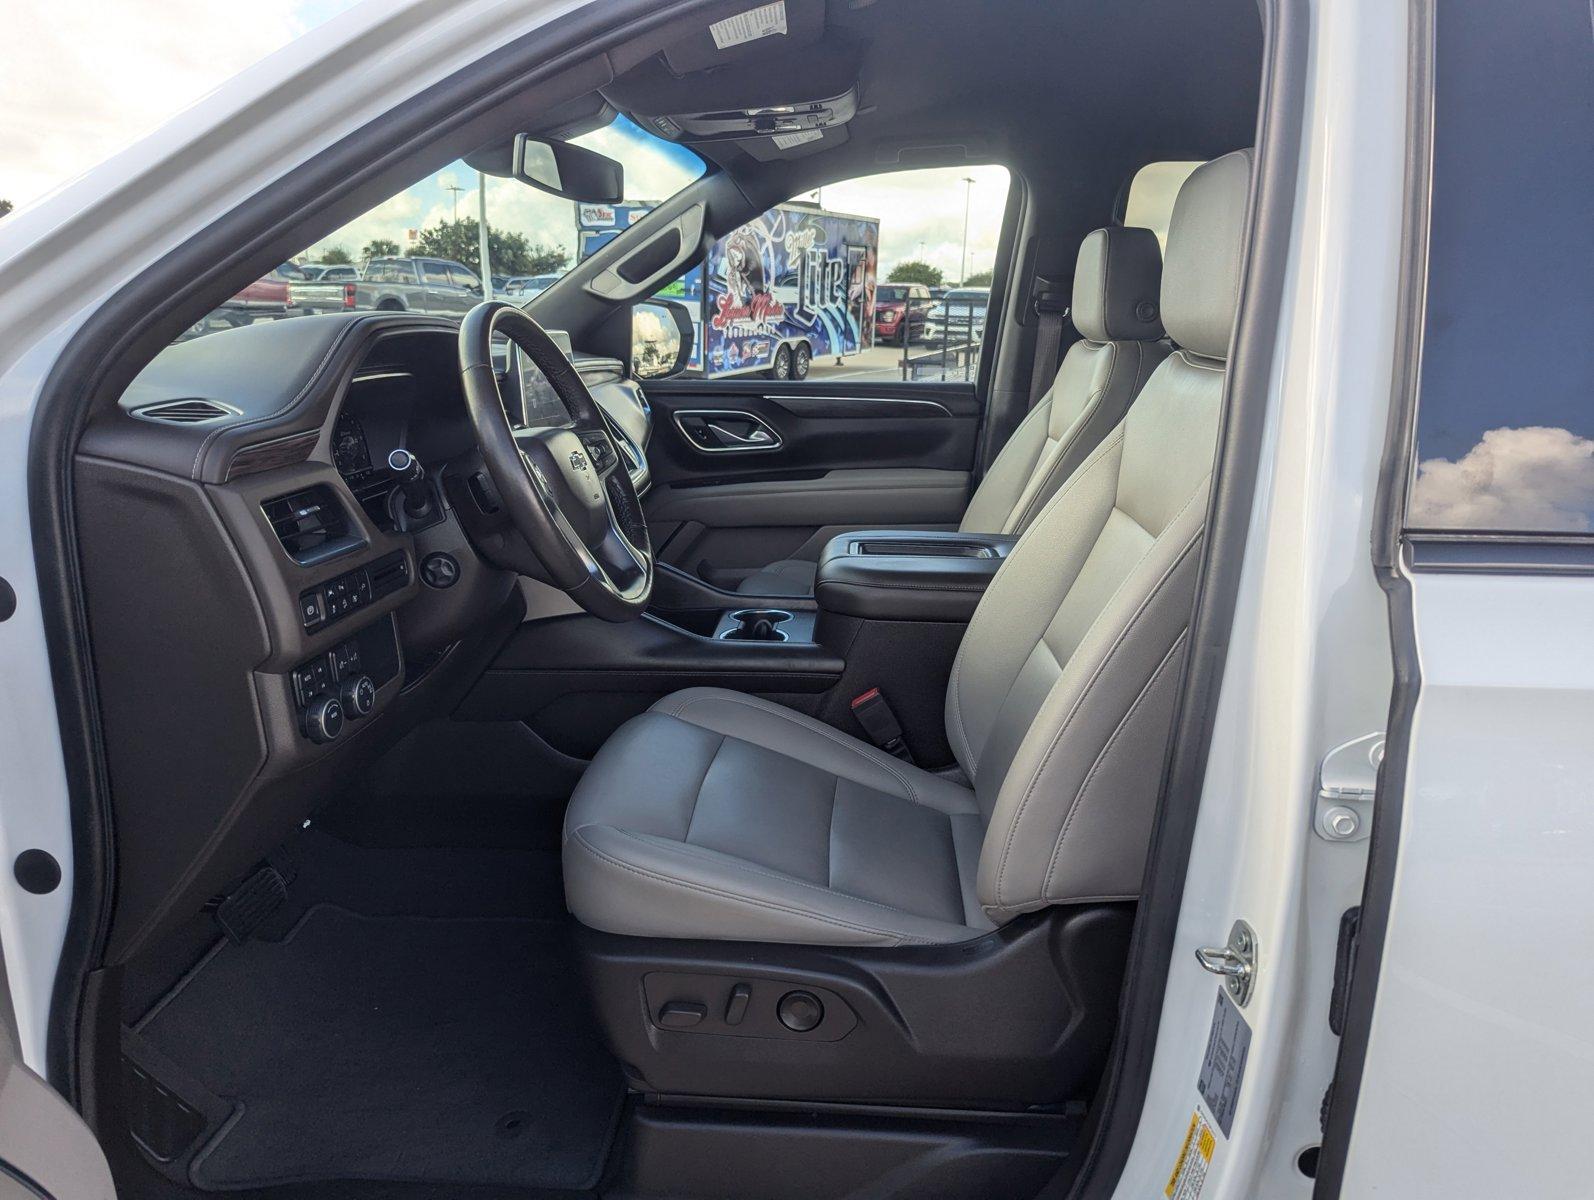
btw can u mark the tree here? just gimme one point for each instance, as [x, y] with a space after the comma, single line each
[335, 256]
[5, 207]
[380, 248]
[915, 271]
[979, 279]
[511, 253]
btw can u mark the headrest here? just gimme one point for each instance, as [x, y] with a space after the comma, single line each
[1201, 272]
[1115, 285]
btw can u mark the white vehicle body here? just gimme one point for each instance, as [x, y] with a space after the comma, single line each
[1477, 1077]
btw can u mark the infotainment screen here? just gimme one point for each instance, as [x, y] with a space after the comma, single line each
[540, 404]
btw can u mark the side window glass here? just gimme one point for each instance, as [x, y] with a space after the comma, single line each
[463, 279]
[836, 283]
[1505, 406]
[435, 274]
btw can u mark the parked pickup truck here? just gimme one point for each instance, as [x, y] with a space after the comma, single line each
[424, 285]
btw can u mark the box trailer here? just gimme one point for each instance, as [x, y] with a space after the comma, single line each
[792, 285]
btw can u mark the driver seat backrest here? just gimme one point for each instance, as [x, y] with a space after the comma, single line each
[1061, 699]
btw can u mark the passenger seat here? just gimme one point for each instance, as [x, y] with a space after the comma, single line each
[1117, 279]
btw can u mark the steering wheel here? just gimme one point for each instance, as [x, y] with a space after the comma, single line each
[564, 488]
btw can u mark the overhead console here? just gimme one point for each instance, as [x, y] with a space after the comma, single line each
[781, 121]
[778, 72]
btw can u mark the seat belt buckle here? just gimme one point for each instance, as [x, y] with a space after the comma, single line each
[872, 712]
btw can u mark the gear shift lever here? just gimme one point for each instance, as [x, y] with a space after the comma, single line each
[417, 502]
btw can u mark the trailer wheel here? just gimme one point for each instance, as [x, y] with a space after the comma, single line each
[781, 368]
[802, 358]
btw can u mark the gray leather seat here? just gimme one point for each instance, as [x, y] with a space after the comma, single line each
[720, 815]
[1114, 308]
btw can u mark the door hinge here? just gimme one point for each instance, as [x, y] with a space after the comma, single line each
[1347, 785]
[1235, 963]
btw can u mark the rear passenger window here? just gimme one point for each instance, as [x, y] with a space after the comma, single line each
[1505, 416]
[852, 281]
[1151, 195]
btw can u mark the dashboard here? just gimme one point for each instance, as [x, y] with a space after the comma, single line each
[242, 542]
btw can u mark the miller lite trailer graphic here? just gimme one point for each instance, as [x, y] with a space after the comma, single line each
[792, 285]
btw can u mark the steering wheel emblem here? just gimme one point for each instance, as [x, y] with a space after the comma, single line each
[578, 460]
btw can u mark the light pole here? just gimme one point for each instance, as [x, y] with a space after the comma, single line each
[481, 234]
[456, 189]
[963, 256]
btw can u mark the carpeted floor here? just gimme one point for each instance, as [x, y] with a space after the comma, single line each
[435, 1048]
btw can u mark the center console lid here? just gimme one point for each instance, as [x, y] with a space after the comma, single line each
[902, 575]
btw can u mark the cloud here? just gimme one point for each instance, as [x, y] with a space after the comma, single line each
[921, 214]
[1530, 478]
[80, 81]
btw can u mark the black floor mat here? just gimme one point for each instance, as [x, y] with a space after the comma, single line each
[432, 1049]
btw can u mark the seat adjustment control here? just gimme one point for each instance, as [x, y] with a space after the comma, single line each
[736, 1006]
[800, 1011]
[681, 1014]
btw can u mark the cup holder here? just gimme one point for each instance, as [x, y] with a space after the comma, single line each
[757, 625]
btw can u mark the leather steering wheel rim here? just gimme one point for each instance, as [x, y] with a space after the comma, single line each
[565, 488]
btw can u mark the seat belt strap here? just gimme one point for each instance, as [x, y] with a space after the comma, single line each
[1050, 300]
[872, 712]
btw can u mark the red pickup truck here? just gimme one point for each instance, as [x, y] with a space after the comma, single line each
[266, 299]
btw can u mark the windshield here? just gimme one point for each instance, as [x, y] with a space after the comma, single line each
[420, 250]
[886, 292]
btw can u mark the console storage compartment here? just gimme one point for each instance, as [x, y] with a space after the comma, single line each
[897, 575]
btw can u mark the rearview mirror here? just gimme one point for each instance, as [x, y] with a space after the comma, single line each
[573, 172]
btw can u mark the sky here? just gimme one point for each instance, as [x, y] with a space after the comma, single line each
[80, 81]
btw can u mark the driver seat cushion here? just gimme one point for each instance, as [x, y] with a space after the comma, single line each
[716, 814]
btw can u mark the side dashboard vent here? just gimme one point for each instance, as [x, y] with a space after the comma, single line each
[186, 412]
[389, 574]
[311, 525]
[372, 490]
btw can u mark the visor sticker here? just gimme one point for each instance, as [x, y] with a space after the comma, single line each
[1195, 1158]
[1223, 1067]
[764, 21]
[785, 141]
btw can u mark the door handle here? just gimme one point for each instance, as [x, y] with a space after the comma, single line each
[725, 431]
[758, 437]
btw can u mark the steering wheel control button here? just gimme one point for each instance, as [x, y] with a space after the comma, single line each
[358, 696]
[681, 1014]
[800, 1012]
[440, 570]
[323, 719]
[736, 1006]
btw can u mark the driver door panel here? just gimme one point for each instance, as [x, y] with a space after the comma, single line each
[749, 471]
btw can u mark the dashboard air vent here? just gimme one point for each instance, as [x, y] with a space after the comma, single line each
[311, 525]
[186, 412]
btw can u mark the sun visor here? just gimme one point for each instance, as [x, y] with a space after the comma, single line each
[743, 31]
